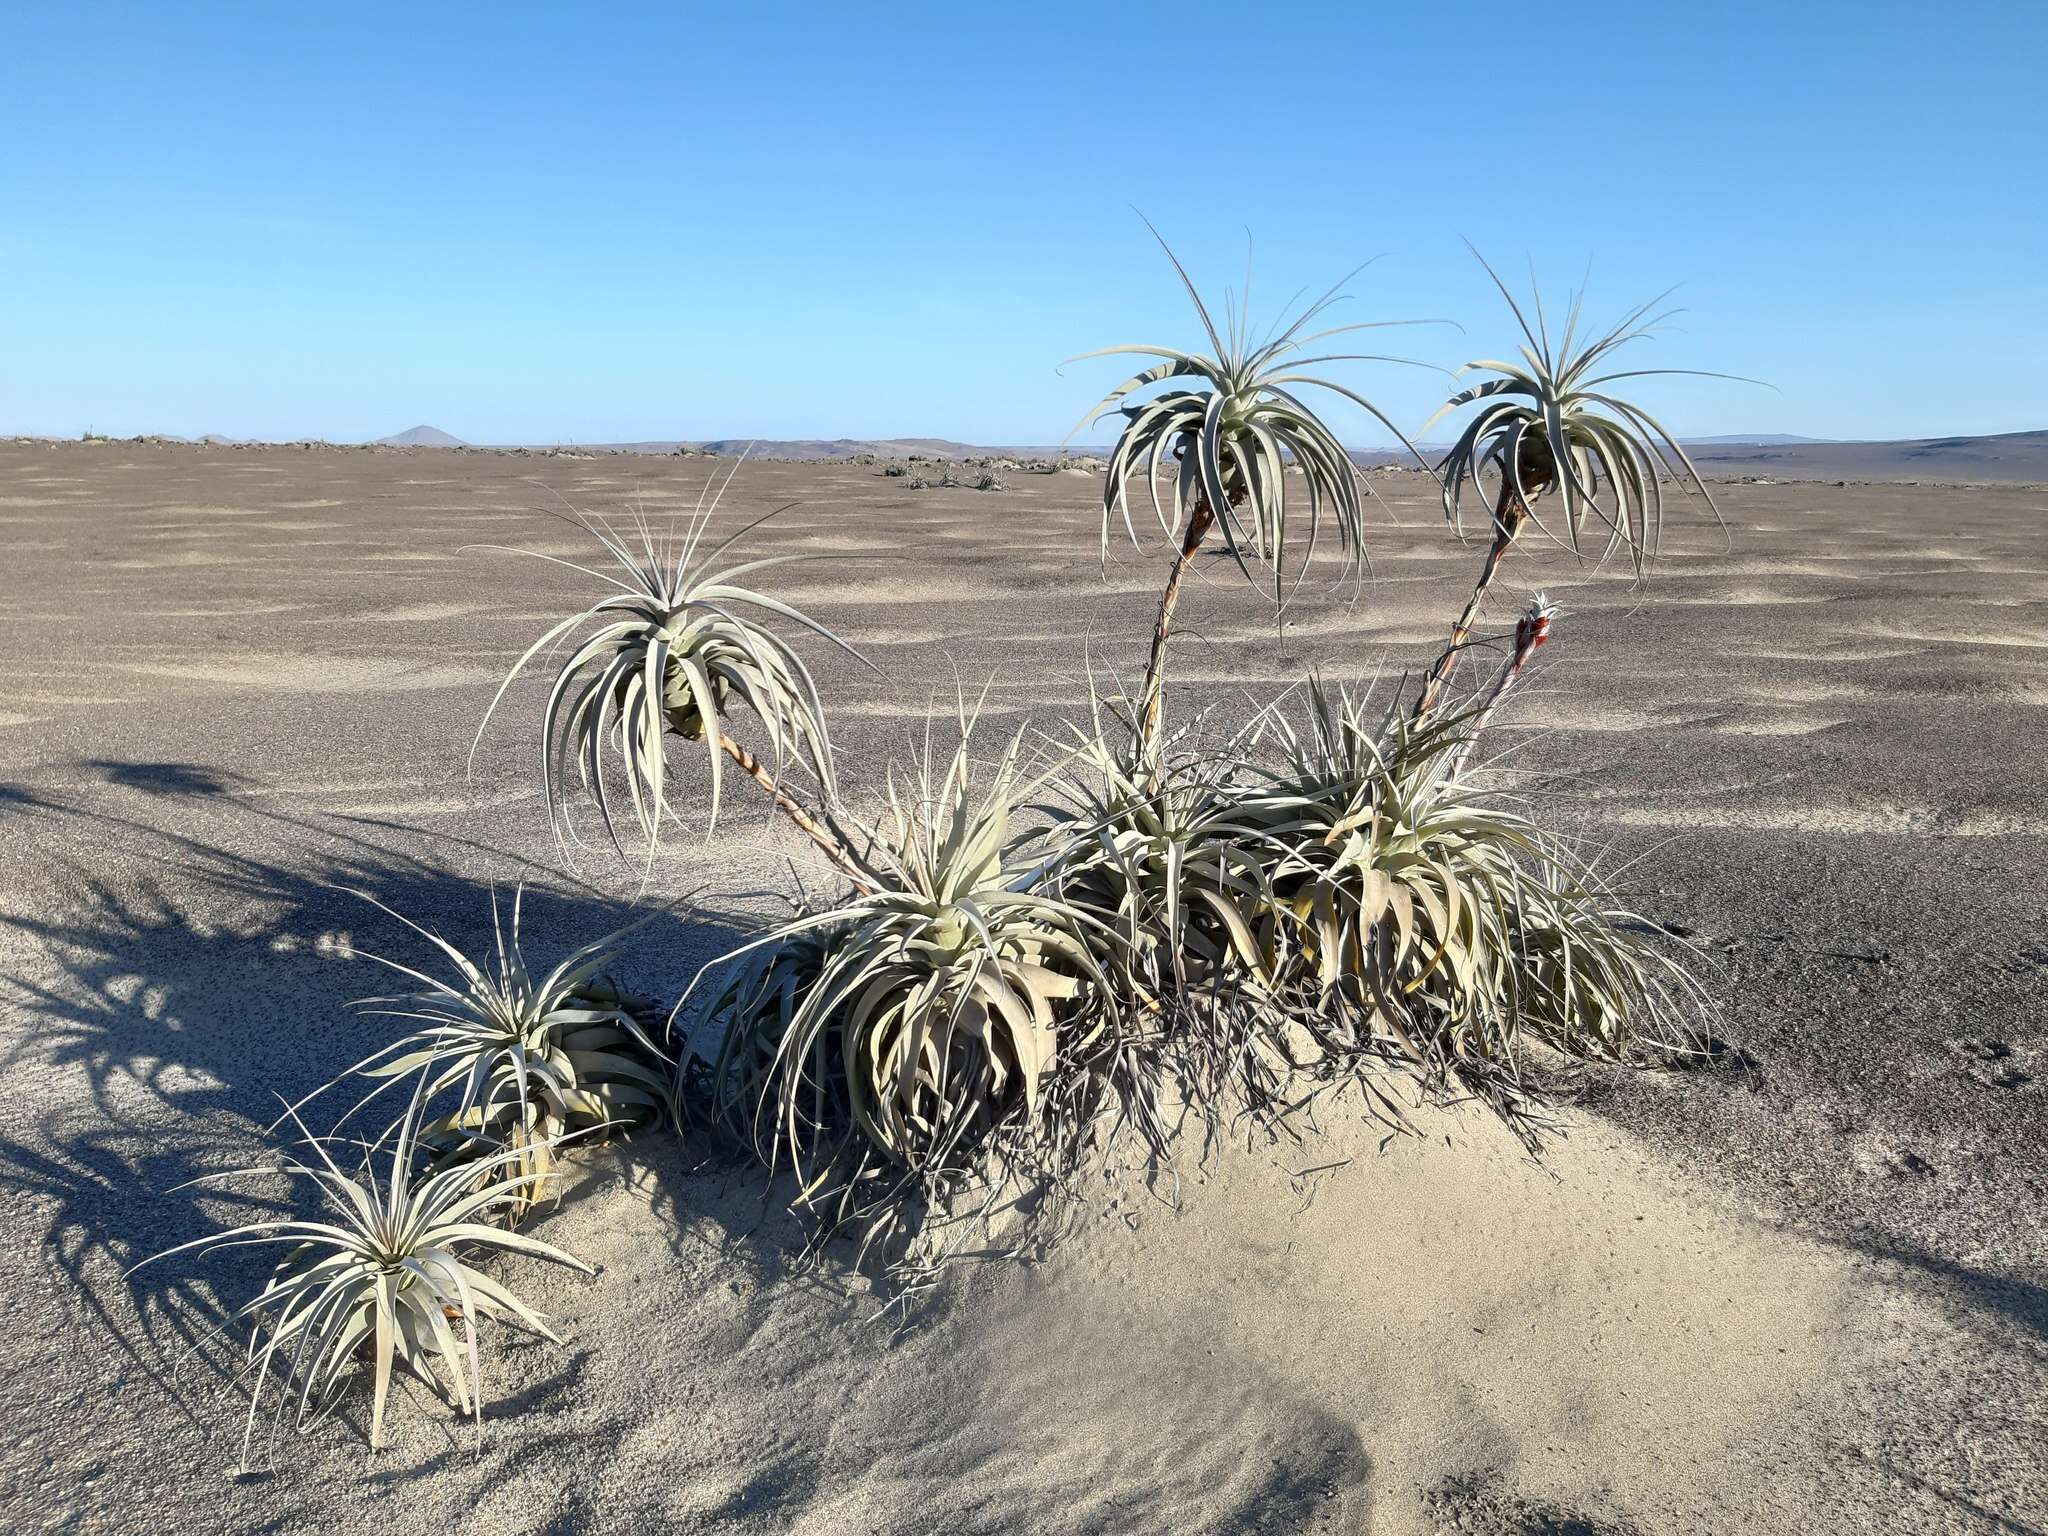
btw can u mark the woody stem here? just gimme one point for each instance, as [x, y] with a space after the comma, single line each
[1510, 513]
[827, 842]
[1200, 519]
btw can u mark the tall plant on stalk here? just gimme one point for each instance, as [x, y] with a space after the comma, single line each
[1231, 429]
[680, 640]
[1549, 425]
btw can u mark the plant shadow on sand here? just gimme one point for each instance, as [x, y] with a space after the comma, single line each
[168, 779]
[200, 996]
[2019, 1305]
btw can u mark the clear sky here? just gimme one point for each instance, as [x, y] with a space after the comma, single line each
[540, 223]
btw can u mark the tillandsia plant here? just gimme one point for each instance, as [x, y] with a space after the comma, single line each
[1425, 924]
[1551, 424]
[1233, 427]
[387, 1279]
[680, 641]
[1162, 855]
[909, 1046]
[529, 1058]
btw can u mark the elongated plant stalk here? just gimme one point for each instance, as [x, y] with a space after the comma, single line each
[829, 844]
[1510, 513]
[1551, 422]
[1200, 520]
[1531, 630]
[1236, 426]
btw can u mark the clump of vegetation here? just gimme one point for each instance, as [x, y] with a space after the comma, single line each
[388, 1279]
[531, 1059]
[924, 1041]
[1020, 963]
[1318, 899]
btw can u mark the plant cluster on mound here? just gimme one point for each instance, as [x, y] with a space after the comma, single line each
[1082, 954]
[518, 1064]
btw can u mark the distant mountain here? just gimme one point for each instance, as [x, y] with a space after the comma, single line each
[1997, 446]
[2007, 458]
[420, 437]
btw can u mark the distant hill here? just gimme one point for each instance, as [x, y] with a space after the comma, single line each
[2007, 457]
[420, 437]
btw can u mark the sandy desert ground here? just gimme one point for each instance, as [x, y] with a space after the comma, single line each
[1805, 1291]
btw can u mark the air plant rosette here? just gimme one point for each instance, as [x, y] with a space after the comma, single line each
[1230, 435]
[1426, 927]
[675, 646]
[1549, 424]
[919, 1056]
[1160, 852]
[530, 1059]
[384, 1279]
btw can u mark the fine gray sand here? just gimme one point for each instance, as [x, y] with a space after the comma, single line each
[1806, 1290]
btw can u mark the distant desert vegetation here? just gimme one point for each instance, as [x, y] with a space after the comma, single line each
[2010, 458]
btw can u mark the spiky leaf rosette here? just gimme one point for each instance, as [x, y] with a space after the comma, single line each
[675, 646]
[728, 1061]
[387, 1278]
[905, 1049]
[529, 1058]
[1550, 422]
[1162, 856]
[1232, 424]
[1424, 923]
[1589, 984]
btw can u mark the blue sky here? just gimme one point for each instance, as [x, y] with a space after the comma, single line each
[528, 223]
